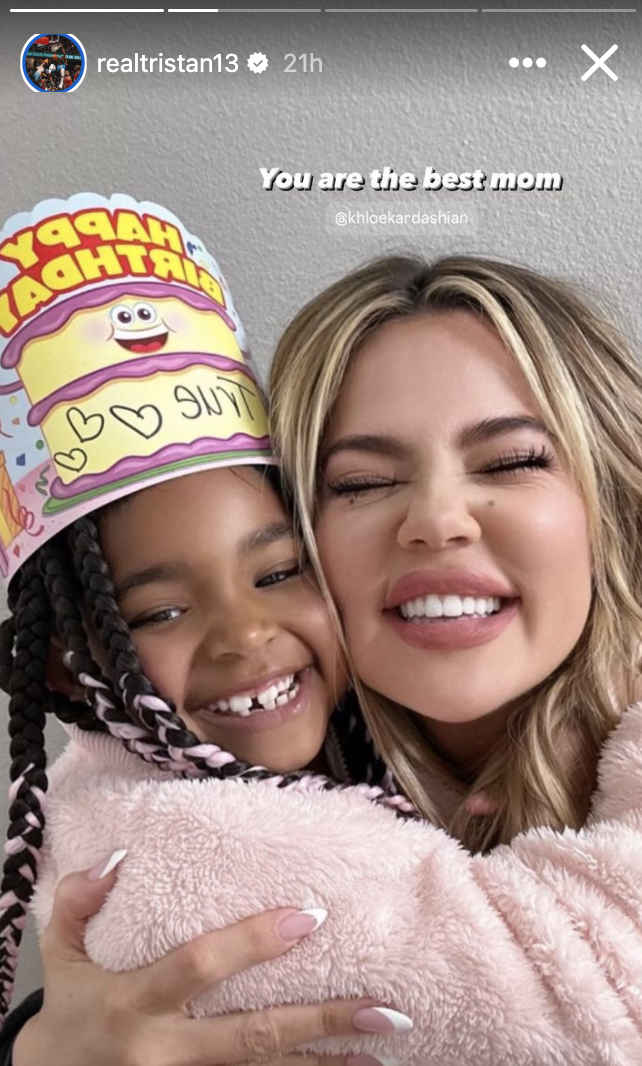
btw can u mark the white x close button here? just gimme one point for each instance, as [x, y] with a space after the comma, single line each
[599, 62]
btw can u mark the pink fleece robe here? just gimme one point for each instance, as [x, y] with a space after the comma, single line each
[530, 956]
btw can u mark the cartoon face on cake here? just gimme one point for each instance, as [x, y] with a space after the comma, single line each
[130, 379]
[146, 326]
[139, 326]
[137, 323]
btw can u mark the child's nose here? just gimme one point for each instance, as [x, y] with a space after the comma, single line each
[240, 631]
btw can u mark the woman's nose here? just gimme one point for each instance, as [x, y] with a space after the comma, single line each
[438, 518]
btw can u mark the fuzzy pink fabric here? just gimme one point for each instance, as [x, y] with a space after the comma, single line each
[531, 956]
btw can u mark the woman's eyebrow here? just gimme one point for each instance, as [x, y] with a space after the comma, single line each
[265, 536]
[488, 428]
[393, 448]
[371, 443]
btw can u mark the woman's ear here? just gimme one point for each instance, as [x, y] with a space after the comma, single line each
[59, 677]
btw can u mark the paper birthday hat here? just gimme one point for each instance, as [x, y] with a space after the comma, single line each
[122, 363]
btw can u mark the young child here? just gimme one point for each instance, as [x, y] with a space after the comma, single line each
[165, 602]
[491, 957]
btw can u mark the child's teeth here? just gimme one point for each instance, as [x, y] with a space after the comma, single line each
[238, 704]
[275, 695]
[267, 699]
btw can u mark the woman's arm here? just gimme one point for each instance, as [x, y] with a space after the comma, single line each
[89, 1017]
[531, 956]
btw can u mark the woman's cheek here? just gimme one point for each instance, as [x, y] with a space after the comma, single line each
[347, 548]
[332, 550]
[555, 536]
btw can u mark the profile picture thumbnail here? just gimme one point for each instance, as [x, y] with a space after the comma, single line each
[53, 63]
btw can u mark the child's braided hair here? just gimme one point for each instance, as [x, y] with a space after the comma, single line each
[45, 600]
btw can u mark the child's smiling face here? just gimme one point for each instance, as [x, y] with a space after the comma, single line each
[226, 625]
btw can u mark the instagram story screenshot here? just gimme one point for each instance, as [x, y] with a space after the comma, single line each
[321, 533]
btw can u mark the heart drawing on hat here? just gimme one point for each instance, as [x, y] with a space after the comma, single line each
[86, 427]
[73, 460]
[145, 420]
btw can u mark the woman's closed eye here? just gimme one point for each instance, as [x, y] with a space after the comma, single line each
[513, 462]
[532, 458]
[359, 485]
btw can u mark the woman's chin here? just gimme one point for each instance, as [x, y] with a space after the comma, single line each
[452, 704]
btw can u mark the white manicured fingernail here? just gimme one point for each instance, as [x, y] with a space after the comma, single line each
[319, 914]
[302, 923]
[381, 1020]
[103, 868]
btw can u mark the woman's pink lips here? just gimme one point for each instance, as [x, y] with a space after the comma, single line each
[452, 634]
[446, 582]
[260, 720]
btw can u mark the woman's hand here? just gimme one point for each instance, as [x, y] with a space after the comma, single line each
[140, 1017]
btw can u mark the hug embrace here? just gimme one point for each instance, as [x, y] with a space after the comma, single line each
[354, 766]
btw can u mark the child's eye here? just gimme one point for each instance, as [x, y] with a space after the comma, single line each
[167, 614]
[281, 573]
[531, 459]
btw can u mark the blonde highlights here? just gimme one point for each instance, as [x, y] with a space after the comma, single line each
[588, 388]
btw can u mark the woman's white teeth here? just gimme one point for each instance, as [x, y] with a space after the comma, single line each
[268, 699]
[450, 606]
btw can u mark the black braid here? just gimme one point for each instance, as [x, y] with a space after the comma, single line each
[104, 709]
[363, 761]
[27, 687]
[65, 597]
[98, 589]
[7, 641]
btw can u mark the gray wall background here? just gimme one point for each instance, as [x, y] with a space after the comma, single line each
[407, 90]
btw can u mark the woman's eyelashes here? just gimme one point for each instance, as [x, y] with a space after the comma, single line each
[359, 485]
[512, 463]
[540, 458]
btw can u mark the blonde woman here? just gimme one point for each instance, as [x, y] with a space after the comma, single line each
[464, 444]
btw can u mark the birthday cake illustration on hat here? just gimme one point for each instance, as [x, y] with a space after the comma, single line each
[122, 363]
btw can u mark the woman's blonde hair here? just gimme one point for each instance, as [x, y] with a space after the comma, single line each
[588, 387]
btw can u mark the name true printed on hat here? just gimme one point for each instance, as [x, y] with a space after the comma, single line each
[229, 399]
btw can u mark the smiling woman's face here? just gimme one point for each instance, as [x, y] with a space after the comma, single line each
[453, 538]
